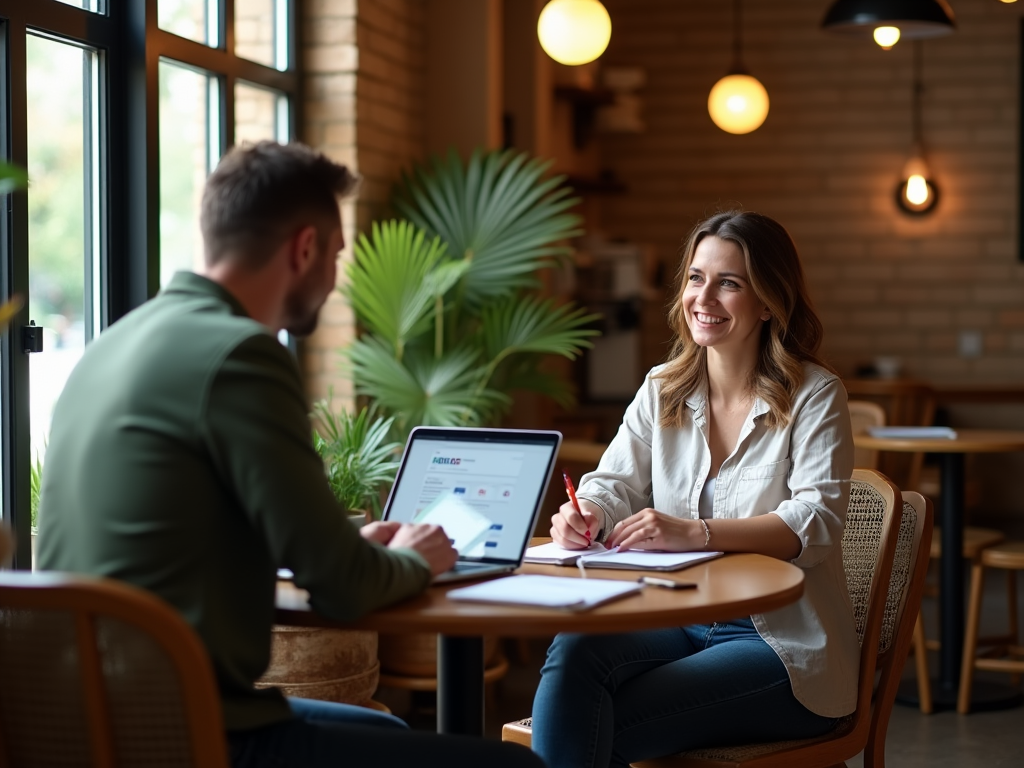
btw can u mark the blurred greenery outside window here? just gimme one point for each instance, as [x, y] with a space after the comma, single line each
[80, 146]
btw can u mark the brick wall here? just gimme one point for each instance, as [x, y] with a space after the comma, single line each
[826, 164]
[364, 62]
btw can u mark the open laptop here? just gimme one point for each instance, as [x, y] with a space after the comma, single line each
[483, 486]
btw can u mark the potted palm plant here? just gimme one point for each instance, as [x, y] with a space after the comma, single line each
[337, 664]
[448, 299]
[358, 459]
[452, 316]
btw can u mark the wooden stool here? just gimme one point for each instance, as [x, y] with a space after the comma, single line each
[976, 540]
[1010, 557]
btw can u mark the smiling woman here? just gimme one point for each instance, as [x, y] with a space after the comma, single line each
[740, 443]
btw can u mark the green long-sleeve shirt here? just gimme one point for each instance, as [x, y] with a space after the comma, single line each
[180, 460]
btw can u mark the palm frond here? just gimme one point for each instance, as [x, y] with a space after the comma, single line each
[531, 324]
[422, 389]
[497, 212]
[387, 281]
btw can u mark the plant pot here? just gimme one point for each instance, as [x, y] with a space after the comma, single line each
[415, 654]
[326, 664]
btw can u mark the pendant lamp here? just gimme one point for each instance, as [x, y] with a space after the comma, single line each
[738, 103]
[574, 32]
[917, 193]
[889, 21]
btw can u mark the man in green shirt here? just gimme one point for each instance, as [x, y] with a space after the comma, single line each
[180, 460]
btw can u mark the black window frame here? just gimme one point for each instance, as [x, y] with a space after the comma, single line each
[130, 45]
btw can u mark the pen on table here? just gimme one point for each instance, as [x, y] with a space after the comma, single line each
[570, 491]
[654, 581]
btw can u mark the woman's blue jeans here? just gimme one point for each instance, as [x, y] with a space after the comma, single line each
[609, 700]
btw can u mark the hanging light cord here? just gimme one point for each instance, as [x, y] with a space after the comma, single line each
[918, 92]
[737, 31]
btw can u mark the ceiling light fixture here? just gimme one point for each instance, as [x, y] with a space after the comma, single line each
[889, 21]
[738, 103]
[916, 193]
[574, 32]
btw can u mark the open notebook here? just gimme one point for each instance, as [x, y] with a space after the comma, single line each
[597, 556]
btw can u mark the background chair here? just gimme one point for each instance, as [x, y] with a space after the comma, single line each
[907, 403]
[99, 673]
[884, 550]
[1007, 655]
[864, 414]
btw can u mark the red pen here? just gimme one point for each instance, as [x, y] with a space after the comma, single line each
[570, 491]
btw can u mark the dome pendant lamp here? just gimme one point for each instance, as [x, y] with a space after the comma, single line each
[916, 193]
[889, 21]
[738, 103]
[574, 32]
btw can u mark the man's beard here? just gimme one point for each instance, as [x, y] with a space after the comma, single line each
[302, 306]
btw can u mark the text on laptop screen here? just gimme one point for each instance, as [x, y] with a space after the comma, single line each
[484, 492]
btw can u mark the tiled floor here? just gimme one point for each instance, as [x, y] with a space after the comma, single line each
[982, 740]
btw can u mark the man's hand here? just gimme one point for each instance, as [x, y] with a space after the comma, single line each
[569, 528]
[430, 541]
[380, 531]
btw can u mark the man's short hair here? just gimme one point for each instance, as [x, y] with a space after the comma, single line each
[261, 193]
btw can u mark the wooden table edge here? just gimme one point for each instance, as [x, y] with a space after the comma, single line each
[522, 621]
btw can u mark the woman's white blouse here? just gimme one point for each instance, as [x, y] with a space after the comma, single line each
[800, 472]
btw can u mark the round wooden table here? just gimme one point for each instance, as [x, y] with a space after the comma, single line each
[951, 579]
[727, 588]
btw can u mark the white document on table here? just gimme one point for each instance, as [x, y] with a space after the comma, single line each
[560, 592]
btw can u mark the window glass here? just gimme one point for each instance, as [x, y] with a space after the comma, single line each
[96, 6]
[63, 232]
[260, 113]
[261, 31]
[194, 19]
[189, 141]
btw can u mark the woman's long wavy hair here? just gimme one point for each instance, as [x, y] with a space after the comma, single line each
[788, 339]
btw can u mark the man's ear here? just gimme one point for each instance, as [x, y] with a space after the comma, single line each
[303, 251]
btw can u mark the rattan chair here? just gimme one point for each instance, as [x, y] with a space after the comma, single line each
[885, 555]
[99, 673]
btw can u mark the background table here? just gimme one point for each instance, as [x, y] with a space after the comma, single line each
[727, 588]
[951, 578]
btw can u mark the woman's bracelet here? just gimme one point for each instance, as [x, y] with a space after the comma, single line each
[707, 533]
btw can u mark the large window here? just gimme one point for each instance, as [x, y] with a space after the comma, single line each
[119, 109]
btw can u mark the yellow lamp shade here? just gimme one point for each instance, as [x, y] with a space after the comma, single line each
[574, 32]
[738, 104]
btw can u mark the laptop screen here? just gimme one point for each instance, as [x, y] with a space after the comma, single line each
[484, 486]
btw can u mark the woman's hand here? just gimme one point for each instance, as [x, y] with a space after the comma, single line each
[569, 528]
[651, 529]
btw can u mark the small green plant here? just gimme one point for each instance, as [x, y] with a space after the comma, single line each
[357, 460]
[35, 489]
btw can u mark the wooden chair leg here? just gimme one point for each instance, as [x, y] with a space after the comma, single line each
[1011, 615]
[963, 704]
[924, 683]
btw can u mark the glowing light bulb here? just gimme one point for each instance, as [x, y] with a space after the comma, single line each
[574, 32]
[738, 104]
[887, 37]
[917, 189]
